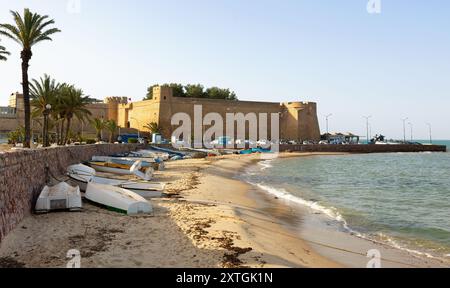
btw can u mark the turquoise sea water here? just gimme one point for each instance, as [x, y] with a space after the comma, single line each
[402, 199]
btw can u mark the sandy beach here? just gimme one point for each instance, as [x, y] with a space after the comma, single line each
[210, 218]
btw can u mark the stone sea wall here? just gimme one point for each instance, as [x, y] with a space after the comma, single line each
[23, 174]
[363, 148]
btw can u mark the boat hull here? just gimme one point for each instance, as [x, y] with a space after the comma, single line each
[118, 199]
[59, 197]
[146, 190]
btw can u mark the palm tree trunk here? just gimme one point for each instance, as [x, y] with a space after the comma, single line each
[26, 56]
[61, 132]
[69, 121]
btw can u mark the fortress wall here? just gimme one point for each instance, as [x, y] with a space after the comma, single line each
[139, 114]
[9, 124]
[222, 107]
[98, 110]
[298, 120]
[308, 122]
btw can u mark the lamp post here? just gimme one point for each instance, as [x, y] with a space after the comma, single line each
[367, 126]
[46, 113]
[404, 129]
[411, 127]
[431, 136]
[328, 133]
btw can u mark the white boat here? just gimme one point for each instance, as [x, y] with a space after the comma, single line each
[80, 169]
[81, 175]
[206, 151]
[123, 160]
[146, 190]
[118, 199]
[59, 197]
[120, 169]
[150, 154]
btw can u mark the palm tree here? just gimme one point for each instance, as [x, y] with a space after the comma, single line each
[112, 127]
[74, 105]
[99, 125]
[27, 31]
[153, 127]
[43, 93]
[3, 52]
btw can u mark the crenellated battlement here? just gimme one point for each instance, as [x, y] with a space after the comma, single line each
[116, 100]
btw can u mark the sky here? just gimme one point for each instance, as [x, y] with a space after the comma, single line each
[390, 65]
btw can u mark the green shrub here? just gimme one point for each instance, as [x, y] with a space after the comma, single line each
[90, 141]
[133, 141]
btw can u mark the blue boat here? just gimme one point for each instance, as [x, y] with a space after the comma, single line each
[254, 150]
[171, 152]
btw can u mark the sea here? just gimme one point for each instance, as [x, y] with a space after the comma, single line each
[3, 138]
[400, 199]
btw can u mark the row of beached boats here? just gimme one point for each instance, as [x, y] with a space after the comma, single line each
[101, 181]
[114, 192]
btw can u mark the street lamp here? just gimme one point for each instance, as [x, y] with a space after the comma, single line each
[367, 126]
[328, 133]
[431, 136]
[46, 113]
[404, 129]
[411, 126]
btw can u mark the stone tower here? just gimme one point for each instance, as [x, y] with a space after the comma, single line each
[113, 107]
[299, 121]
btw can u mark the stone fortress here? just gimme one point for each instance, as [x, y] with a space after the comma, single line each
[298, 120]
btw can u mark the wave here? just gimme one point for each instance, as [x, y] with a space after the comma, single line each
[330, 212]
[334, 214]
[265, 164]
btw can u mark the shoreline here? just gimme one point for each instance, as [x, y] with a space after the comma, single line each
[211, 218]
[347, 247]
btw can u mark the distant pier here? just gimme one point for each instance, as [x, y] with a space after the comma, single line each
[406, 148]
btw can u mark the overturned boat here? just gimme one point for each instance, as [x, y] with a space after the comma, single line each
[146, 162]
[163, 156]
[82, 175]
[59, 197]
[145, 173]
[118, 199]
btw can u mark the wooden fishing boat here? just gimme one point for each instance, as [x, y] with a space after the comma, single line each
[146, 162]
[145, 173]
[118, 199]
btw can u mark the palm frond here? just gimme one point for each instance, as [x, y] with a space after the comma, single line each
[3, 52]
[28, 29]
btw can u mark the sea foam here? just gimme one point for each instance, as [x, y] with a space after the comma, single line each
[335, 215]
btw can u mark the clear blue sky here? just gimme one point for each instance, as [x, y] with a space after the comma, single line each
[391, 65]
